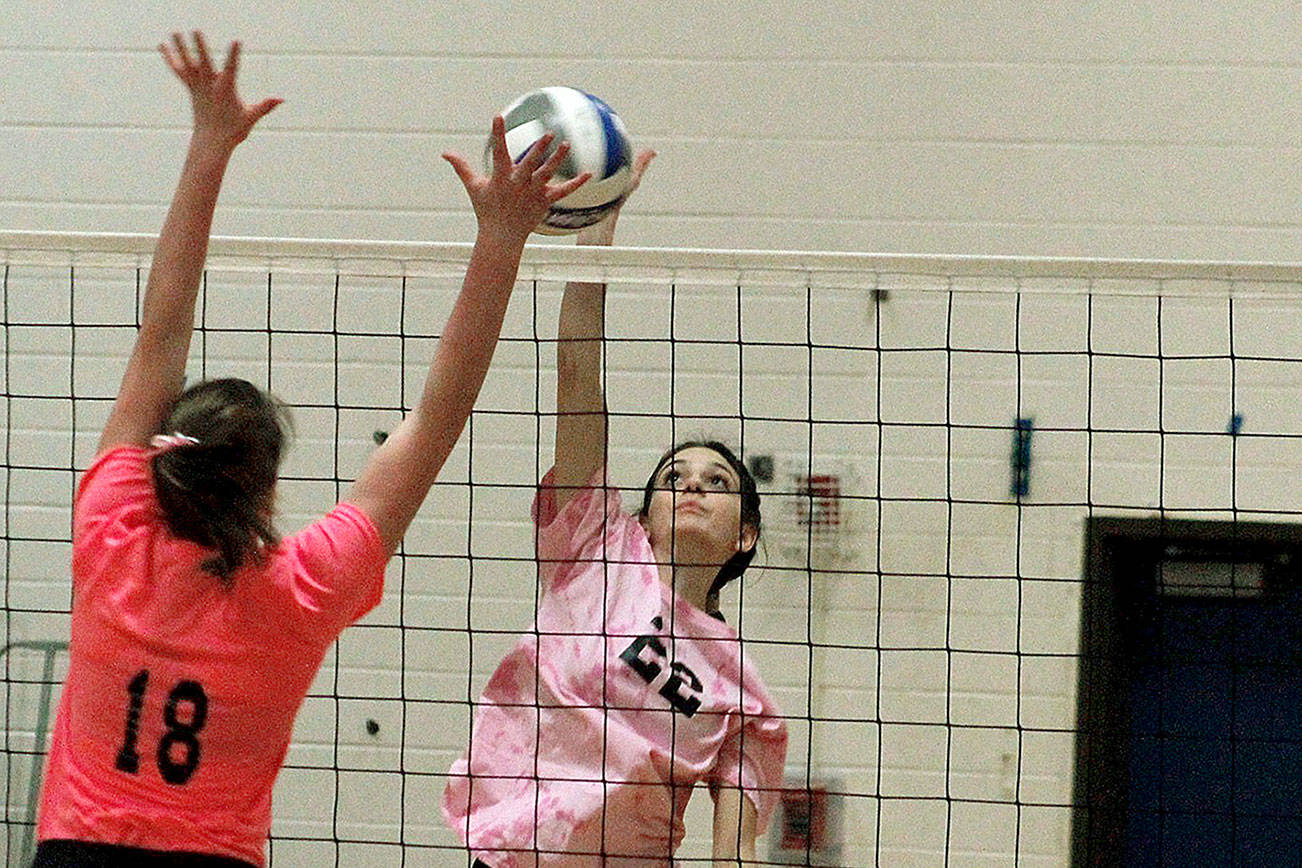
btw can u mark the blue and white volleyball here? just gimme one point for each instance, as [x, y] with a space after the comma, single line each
[598, 144]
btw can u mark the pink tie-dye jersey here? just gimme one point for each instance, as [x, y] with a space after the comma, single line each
[592, 733]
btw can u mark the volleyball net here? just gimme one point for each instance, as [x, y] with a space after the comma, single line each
[1001, 499]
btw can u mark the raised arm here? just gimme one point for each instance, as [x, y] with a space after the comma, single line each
[156, 369]
[508, 205]
[580, 395]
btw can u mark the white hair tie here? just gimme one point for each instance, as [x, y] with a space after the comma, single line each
[167, 442]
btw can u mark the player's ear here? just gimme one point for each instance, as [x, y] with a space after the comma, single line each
[748, 537]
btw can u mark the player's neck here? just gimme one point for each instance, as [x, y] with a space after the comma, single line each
[691, 582]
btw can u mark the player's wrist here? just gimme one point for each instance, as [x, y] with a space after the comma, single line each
[501, 246]
[503, 237]
[600, 235]
[212, 143]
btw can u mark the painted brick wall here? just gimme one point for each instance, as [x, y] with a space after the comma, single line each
[1112, 129]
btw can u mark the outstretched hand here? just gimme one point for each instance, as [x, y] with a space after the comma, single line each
[515, 197]
[603, 233]
[218, 110]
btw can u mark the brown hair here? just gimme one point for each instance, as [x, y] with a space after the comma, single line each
[218, 491]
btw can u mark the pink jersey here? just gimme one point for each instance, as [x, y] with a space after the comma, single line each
[592, 733]
[181, 695]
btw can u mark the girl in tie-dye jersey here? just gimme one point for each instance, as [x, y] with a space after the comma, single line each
[594, 730]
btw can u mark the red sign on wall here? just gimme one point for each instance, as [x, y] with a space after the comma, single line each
[804, 819]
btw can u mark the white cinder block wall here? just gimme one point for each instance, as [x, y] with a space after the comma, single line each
[1105, 129]
[1113, 131]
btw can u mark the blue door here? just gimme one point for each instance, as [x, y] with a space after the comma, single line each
[1216, 733]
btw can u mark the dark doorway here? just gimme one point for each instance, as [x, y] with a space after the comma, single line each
[1189, 714]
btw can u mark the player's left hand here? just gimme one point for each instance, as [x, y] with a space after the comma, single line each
[219, 112]
[516, 197]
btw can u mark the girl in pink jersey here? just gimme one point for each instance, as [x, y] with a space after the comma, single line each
[196, 632]
[592, 733]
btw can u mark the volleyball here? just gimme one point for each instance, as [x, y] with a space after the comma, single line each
[598, 144]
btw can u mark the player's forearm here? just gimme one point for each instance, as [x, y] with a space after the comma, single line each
[469, 339]
[731, 855]
[735, 820]
[580, 397]
[168, 316]
[579, 337]
[581, 332]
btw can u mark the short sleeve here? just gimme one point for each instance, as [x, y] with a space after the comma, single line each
[118, 484]
[579, 533]
[752, 758]
[335, 569]
[114, 507]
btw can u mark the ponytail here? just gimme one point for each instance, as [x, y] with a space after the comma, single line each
[215, 472]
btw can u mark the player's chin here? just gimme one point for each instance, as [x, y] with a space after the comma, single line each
[692, 524]
[685, 561]
[703, 548]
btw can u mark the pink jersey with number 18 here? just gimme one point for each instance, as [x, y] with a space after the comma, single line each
[181, 694]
